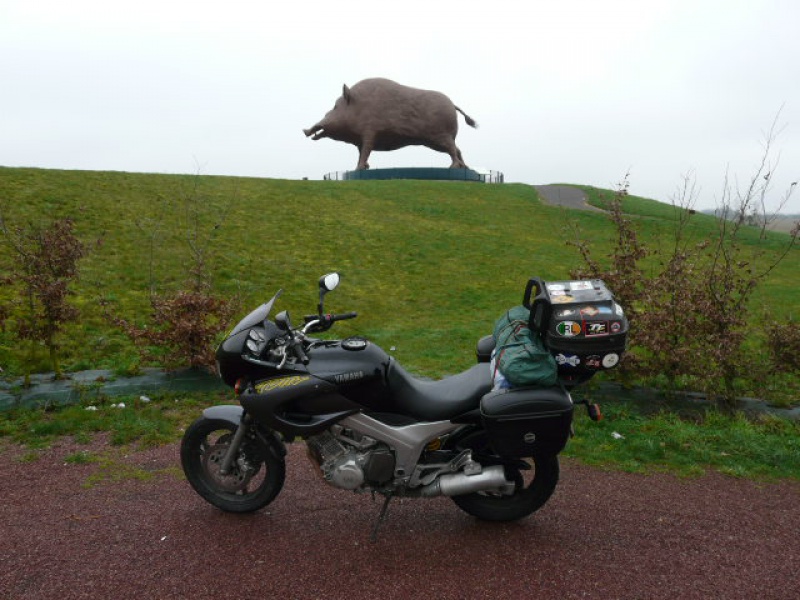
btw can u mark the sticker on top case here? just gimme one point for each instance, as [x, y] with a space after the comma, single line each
[567, 360]
[610, 360]
[568, 328]
[600, 328]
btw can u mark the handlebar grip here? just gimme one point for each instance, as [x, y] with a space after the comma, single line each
[300, 353]
[345, 316]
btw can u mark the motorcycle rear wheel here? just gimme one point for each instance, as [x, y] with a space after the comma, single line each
[527, 499]
[256, 476]
[534, 486]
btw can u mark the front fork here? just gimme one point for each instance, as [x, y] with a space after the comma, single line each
[236, 442]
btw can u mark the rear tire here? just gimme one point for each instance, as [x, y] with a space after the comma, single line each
[534, 485]
[531, 493]
[256, 476]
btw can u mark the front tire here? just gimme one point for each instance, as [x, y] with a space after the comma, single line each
[257, 473]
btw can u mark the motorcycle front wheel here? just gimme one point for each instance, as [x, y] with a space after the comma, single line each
[256, 475]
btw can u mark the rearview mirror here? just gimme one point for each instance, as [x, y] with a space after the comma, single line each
[329, 282]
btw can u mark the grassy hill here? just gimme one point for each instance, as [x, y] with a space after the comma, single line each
[428, 266]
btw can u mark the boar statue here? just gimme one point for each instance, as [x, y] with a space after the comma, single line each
[379, 114]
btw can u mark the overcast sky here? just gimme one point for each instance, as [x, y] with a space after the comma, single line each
[577, 92]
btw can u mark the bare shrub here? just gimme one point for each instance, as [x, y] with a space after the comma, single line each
[183, 324]
[689, 311]
[45, 266]
[783, 344]
[184, 327]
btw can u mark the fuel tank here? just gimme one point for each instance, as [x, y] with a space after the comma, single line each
[357, 367]
[342, 377]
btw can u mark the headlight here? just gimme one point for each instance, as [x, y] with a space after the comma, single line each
[256, 335]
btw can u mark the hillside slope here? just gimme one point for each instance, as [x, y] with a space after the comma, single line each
[428, 266]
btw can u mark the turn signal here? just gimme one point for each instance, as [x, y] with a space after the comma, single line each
[238, 388]
[594, 412]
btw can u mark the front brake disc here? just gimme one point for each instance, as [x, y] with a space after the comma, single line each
[235, 481]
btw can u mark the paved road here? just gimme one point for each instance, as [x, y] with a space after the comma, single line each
[602, 535]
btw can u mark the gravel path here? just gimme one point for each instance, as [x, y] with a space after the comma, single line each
[565, 195]
[602, 535]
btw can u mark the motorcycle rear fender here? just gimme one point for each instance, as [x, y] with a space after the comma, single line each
[230, 413]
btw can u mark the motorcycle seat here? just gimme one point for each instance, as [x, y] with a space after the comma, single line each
[438, 400]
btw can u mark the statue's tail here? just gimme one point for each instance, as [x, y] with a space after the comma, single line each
[470, 121]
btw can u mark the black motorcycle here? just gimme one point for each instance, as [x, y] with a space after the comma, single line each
[369, 425]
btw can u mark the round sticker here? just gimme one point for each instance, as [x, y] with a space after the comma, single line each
[610, 360]
[616, 326]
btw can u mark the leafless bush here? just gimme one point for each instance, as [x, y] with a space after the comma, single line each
[45, 266]
[184, 323]
[183, 328]
[689, 312]
[783, 343]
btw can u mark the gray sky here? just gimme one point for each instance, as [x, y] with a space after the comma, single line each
[576, 92]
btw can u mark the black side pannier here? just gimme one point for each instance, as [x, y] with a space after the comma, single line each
[581, 324]
[527, 421]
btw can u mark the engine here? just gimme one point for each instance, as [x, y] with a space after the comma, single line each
[349, 460]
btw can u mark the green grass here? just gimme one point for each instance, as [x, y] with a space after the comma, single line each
[766, 448]
[151, 424]
[656, 220]
[427, 265]
[732, 444]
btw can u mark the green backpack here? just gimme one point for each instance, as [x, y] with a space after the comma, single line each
[519, 352]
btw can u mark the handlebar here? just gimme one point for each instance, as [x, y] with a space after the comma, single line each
[318, 323]
[314, 323]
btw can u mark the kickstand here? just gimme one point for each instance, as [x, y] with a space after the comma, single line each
[381, 518]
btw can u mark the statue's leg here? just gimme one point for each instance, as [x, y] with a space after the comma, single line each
[458, 160]
[364, 150]
[448, 144]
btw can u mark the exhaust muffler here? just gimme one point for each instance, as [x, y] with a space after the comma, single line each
[454, 484]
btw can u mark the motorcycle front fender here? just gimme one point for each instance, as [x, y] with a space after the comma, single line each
[226, 412]
[233, 414]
